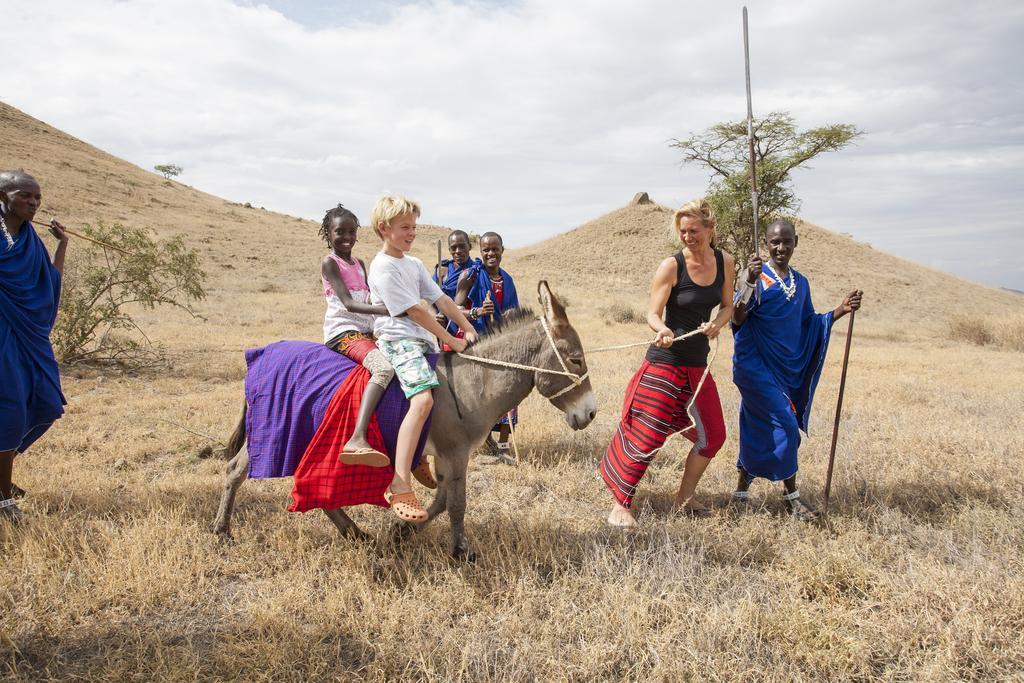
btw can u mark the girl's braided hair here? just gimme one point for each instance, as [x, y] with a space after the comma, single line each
[339, 212]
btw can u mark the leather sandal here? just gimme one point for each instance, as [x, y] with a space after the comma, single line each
[423, 475]
[370, 457]
[406, 506]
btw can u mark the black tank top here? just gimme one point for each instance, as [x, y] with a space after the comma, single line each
[688, 306]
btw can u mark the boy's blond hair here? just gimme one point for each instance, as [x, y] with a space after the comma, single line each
[388, 208]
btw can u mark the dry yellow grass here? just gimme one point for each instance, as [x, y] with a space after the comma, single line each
[117, 577]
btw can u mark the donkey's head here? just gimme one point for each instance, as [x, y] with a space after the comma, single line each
[572, 395]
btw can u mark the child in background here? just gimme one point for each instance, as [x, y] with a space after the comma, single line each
[348, 326]
[489, 292]
[406, 335]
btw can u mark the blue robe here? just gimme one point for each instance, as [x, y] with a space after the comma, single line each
[451, 283]
[31, 397]
[482, 286]
[779, 353]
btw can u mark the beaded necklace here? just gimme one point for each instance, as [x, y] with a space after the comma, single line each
[790, 289]
[3, 228]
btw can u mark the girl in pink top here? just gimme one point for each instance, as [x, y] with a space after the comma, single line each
[348, 326]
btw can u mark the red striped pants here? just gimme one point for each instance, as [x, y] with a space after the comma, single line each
[653, 410]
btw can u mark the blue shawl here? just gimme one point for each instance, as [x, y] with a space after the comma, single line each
[29, 293]
[481, 287]
[779, 353]
[451, 283]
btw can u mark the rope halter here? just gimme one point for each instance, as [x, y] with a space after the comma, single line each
[575, 380]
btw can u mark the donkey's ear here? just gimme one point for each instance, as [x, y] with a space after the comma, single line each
[553, 309]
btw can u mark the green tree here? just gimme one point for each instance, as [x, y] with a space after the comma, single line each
[779, 148]
[168, 170]
[103, 287]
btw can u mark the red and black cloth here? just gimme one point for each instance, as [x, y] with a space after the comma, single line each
[653, 410]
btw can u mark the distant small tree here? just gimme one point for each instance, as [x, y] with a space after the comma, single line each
[778, 149]
[102, 288]
[168, 170]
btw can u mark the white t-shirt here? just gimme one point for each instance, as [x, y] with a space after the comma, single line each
[400, 284]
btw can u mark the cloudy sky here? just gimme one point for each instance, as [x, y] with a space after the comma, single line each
[532, 117]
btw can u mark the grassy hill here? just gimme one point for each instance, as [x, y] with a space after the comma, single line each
[613, 257]
[117, 577]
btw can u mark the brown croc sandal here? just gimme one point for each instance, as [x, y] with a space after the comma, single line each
[423, 475]
[370, 457]
[406, 506]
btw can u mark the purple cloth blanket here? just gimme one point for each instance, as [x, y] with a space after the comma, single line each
[288, 385]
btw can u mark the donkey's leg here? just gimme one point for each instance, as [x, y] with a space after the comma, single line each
[442, 467]
[236, 472]
[456, 499]
[345, 525]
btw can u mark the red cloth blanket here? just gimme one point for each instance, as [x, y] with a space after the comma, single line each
[321, 481]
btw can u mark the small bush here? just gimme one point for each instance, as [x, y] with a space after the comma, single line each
[971, 329]
[1007, 334]
[621, 313]
[1013, 335]
[100, 286]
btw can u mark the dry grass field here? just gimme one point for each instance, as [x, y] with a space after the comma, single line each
[918, 576]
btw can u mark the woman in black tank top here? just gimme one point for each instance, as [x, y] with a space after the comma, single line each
[686, 288]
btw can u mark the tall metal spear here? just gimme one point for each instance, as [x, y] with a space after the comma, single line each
[750, 140]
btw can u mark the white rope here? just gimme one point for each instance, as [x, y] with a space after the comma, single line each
[577, 380]
[617, 347]
[693, 397]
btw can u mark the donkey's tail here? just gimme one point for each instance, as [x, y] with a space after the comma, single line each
[235, 441]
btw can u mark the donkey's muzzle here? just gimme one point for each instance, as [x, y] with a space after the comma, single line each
[582, 412]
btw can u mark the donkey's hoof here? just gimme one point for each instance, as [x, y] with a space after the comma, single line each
[401, 531]
[461, 554]
[356, 534]
[224, 537]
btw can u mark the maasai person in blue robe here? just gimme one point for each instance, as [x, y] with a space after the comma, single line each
[451, 269]
[31, 399]
[780, 347]
[490, 292]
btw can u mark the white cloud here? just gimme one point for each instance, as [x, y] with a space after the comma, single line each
[533, 117]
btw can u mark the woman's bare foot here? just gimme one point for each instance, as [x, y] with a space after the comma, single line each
[621, 517]
[691, 507]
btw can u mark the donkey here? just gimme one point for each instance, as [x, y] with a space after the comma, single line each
[472, 396]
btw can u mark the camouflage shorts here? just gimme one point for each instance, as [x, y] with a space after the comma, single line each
[408, 358]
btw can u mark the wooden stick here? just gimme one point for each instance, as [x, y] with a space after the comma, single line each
[90, 239]
[839, 413]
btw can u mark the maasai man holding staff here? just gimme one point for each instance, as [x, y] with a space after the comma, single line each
[780, 347]
[30, 394]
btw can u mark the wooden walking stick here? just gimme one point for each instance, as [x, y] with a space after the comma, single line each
[839, 413]
[437, 276]
[90, 239]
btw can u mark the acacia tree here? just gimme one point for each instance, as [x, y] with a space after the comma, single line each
[168, 170]
[778, 149]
